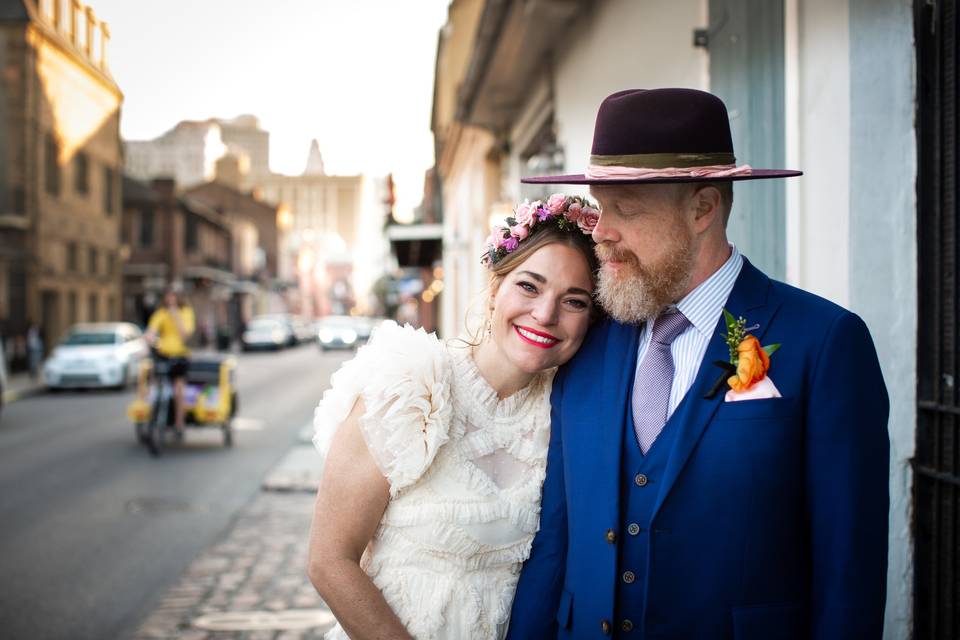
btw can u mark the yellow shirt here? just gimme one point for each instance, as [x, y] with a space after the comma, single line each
[169, 341]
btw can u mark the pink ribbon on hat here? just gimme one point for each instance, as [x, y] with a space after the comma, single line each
[600, 172]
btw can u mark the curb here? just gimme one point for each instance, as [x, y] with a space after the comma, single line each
[13, 395]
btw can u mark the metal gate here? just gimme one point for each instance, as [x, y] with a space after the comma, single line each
[937, 462]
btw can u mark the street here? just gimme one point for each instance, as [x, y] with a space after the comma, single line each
[95, 529]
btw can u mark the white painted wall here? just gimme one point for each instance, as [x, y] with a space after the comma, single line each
[466, 211]
[624, 44]
[818, 142]
[883, 250]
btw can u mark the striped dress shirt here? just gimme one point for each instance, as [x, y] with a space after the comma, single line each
[702, 307]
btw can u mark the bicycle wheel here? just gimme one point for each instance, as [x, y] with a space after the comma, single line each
[158, 425]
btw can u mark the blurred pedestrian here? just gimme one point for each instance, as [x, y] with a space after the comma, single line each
[169, 329]
[34, 348]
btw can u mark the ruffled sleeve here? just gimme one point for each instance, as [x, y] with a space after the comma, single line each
[402, 374]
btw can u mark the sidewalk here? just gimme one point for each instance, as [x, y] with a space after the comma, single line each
[252, 585]
[21, 385]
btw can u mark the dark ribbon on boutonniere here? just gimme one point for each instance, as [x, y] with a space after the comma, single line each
[728, 370]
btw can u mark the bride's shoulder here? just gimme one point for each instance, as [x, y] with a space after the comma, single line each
[402, 374]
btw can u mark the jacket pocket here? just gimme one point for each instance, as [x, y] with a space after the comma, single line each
[770, 622]
[565, 609]
[765, 409]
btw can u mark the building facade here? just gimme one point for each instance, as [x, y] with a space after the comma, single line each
[173, 239]
[253, 223]
[60, 169]
[188, 153]
[832, 88]
[323, 216]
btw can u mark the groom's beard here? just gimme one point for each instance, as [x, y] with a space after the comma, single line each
[637, 292]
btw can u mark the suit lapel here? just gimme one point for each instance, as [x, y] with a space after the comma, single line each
[620, 359]
[748, 299]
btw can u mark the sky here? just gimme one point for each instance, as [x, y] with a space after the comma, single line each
[357, 75]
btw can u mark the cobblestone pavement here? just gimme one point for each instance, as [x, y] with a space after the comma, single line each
[252, 585]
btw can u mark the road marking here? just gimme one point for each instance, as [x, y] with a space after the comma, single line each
[265, 620]
[247, 424]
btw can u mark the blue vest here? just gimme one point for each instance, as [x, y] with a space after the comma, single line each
[640, 483]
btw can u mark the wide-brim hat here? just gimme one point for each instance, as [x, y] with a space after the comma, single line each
[662, 136]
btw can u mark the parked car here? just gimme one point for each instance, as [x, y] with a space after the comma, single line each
[302, 329]
[337, 332]
[96, 354]
[365, 325]
[272, 331]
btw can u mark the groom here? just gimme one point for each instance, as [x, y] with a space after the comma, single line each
[678, 505]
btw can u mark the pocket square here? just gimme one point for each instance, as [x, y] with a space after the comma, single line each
[758, 391]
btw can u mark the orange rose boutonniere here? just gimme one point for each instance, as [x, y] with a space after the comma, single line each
[749, 362]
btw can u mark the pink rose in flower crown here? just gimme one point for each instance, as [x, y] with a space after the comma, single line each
[556, 204]
[588, 219]
[574, 211]
[511, 244]
[495, 239]
[524, 214]
[520, 231]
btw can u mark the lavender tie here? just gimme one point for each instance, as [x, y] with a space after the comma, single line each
[654, 379]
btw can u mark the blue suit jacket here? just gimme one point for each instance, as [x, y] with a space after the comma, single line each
[771, 519]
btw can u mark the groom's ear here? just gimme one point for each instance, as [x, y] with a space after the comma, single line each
[707, 204]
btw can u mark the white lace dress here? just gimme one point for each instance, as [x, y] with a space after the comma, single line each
[465, 472]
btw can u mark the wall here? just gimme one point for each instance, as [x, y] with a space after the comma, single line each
[818, 142]
[883, 248]
[623, 44]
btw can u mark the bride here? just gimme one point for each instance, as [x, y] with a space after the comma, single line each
[435, 453]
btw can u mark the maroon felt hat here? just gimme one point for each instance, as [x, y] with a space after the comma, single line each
[659, 136]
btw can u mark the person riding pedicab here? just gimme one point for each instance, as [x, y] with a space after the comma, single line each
[169, 329]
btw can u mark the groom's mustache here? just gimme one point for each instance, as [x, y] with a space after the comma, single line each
[607, 252]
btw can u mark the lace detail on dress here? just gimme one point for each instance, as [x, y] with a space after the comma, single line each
[449, 548]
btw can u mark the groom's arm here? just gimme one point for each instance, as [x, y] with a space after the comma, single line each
[847, 479]
[535, 605]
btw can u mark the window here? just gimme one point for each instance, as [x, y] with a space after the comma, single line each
[92, 261]
[92, 310]
[72, 307]
[51, 165]
[146, 228]
[190, 233]
[71, 256]
[111, 264]
[81, 173]
[108, 189]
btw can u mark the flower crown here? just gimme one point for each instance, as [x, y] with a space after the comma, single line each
[568, 213]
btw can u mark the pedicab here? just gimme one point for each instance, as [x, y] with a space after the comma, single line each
[210, 399]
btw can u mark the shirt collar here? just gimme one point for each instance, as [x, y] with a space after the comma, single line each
[703, 305]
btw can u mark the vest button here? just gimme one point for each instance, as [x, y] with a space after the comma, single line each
[628, 577]
[626, 625]
[640, 480]
[605, 627]
[633, 529]
[611, 536]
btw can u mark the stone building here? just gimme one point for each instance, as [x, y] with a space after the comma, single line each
[189, 151]
[173, 238]
[253, 224]
[60, 164]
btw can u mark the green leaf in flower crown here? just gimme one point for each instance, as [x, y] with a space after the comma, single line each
[511, 221]
[771, 348]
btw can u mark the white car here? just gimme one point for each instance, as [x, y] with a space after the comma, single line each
[98, 354]
[267, 332]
